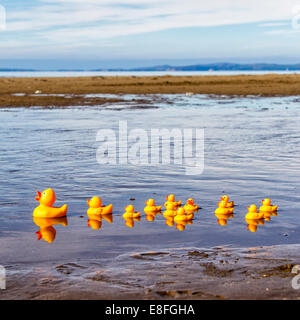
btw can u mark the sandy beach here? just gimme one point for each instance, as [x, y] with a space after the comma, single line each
[26, 92]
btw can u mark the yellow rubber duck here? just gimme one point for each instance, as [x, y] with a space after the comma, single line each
[47, 232]
[182, 216]
[130, 212]
[253, 214]
[226, 199]
[222, 218]
[171, 199]
[171, 211]
[96, 207]
[151, 207]
[190, 206]
[267, 206]
[45, 209]
[222, 209]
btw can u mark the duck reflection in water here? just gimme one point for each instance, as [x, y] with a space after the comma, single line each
[253, 223]
[223, 218]
[46, 231]
[129, 222]
[95, 220]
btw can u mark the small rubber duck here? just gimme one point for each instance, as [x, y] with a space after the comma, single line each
[151, 207]
[222, 209]
[171, 211]
[226, 199]
[171, 199]
[96, 207]
[190, 206]
[182, 216]
[47, 232]
[129, 214]
[45, 209]
[182, 224]
[267, 206]
[253, 214]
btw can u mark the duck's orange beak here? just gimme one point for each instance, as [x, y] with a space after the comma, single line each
[38, 196]
[38, 233]
[262, 201]
[88, 224]
[88, 202]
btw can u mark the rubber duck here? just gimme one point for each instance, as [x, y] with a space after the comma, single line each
[151, 207]
[190, 206]
[130, 212]
[46, 231]
[267, 206]
[226, 199]
[182, 216]
[171, 199]
[222, 209]
[96, 207]
[45, 209]
[222, 218]
[253, 214]
[171, 210]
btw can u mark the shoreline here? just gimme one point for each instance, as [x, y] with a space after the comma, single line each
[216, 273]
[71, 91]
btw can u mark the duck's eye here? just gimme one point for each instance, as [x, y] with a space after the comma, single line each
[44, 193]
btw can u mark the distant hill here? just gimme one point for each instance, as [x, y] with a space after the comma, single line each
[197, 67]
[216, 67]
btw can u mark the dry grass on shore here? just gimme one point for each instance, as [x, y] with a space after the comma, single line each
[76, 87]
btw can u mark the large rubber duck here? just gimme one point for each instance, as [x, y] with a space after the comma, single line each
[96, 207]
[45, 209]
[229, 204]
[171, 199]
[222, 209]
[253, 214]
[171, 211]
[151, 207]
[190, 206]
[182, 216]
[129, 214]
[46, 231]
[222, 218]
[267, 206]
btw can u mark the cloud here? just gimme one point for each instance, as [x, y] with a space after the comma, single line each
[67, 23]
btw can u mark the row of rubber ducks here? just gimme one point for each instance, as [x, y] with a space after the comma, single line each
[47, 198]
[173, 213]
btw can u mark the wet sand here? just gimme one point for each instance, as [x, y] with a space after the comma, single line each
[73, 89]
[191, 273]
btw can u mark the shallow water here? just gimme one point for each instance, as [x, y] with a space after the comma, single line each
[252, 150]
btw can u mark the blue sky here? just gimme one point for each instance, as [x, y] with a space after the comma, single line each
[104, 33]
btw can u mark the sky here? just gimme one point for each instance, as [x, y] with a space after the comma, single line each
[134, 33]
